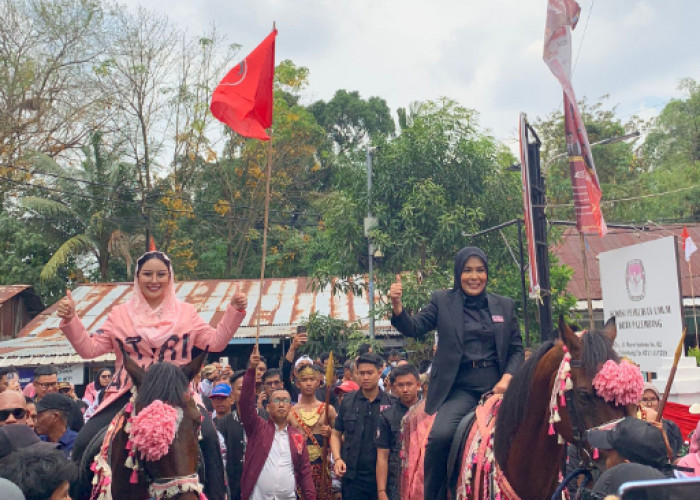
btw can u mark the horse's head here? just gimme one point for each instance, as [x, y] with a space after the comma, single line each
[165, 426]
[585, 408]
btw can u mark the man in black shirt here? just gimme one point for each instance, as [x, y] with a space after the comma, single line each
[405, 383]
[231, 429]
[355, 429]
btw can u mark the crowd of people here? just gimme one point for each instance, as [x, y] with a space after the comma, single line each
[291, 432]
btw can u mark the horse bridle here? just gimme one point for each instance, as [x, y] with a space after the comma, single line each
[578, 427]
[170, 487]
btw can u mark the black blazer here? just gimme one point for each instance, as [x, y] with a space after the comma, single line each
[446, 313]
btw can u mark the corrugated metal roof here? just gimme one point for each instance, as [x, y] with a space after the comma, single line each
[569, 252]
[9, 291]
[285, 304]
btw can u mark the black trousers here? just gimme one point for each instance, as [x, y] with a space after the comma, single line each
[466, 392]
[215, 485]
[359, 489]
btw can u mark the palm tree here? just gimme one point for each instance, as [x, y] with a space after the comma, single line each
[88, 209]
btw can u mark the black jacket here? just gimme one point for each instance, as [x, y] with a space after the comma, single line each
[351, 422]
[446, 313]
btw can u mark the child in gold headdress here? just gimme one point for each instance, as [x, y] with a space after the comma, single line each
[309, 415]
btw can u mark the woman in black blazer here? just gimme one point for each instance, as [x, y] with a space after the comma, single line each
[479, 349]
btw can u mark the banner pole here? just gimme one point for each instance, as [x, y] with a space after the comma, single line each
[692, 294]
[671, 376]
[584, 257]
[264, 248]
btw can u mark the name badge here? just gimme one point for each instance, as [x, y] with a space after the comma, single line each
[383, 407]
[497, 319]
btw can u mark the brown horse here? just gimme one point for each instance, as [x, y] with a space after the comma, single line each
[529, 457]
[174, 474]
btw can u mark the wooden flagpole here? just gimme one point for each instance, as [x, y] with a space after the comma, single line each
[692, 294]
[584, 259]
[325, 471]
[671, 376]
[264, 249]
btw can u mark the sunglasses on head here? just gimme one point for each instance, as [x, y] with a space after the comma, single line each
[64, 390]
[17, 413]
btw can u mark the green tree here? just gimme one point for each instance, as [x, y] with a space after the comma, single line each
[350, 120]
[232, 190]
[671, 159]
[82, 209]
[617, 165]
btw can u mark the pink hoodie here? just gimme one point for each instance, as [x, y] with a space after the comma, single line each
[188, 330]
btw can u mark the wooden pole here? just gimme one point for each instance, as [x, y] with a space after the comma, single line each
[264, 249]
[591, 322]
[671, 375]
[692, 294]
[325, 471]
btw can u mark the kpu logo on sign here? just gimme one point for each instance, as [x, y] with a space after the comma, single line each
[635, 279]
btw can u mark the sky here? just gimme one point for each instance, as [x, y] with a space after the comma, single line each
[486, 54]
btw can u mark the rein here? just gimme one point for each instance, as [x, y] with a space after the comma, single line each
[563, 396]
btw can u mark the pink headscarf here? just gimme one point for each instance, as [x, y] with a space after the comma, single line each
[157, 324]
[695, 441]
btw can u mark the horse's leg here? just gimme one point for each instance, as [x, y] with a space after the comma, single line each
[459, 403]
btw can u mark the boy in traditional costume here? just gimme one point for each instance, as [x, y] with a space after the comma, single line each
[315, 419]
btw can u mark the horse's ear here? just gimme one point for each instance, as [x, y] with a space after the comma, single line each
[569, 337]
[132, 368]
[194, 367]
[610, 329]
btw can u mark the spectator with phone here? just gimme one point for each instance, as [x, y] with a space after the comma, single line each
[9, 379]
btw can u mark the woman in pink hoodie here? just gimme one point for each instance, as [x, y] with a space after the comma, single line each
[153, 326]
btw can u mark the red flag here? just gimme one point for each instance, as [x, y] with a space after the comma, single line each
[243, 99]
[562, 16]
[152, 245]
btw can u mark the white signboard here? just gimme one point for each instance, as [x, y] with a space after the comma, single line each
[641, 289]
[71, 373]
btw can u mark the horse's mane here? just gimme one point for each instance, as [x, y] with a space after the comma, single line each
[515, 403]
[163, 381]
[597, 349]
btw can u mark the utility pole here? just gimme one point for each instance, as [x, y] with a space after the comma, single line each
[538, 193]
[370, 223]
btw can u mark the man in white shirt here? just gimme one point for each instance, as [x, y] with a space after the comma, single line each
[278, 461]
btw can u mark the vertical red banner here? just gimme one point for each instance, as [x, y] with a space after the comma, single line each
[562, 16]
[584, 179]
[527, 210]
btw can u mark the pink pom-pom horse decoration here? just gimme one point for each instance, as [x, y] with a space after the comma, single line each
[153, 430]
[621, 383]
[151, 449]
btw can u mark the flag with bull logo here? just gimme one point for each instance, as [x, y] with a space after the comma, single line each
[562, 16]
[243, 100]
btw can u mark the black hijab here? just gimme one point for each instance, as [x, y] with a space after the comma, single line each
[462, 257]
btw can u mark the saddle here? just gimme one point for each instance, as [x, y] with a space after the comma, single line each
[474, 473]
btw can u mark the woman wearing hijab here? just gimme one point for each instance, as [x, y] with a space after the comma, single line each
[153, 326]
[479, 350]
[102, 378]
